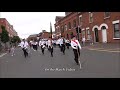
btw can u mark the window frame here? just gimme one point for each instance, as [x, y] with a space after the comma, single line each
[90, 17]
[116, 30]
[88, 29]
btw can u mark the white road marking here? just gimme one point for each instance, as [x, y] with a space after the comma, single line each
[3, 54]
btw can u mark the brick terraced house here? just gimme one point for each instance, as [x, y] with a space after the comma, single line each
[104, 27]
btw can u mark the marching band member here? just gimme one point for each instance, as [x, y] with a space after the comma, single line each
[76, 49]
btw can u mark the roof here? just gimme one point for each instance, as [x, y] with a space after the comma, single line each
[58, 18]
[33, 35]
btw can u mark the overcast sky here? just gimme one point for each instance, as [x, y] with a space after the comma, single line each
[26, 23]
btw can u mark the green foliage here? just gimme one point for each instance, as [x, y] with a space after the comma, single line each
[4, 35]
[15, 39]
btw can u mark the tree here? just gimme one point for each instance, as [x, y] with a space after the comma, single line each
[4, 35]
[15, 39]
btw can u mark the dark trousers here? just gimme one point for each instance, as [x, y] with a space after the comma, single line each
[54, 44]
[42, 50]
[51, 51]
[35, 47]
[63, 48]
[67, 44]
[76, 54]
[25, 52]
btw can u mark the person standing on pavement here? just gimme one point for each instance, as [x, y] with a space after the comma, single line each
[24, 45]
[12, 50]
[83, 40]
[76, 48]
[91, 40]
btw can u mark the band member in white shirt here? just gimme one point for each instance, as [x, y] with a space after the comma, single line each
[35, 45]
[76, 48]
[54, 43]
[24, 44]
[58, 43]
[67, 43]
[62, 44]
[46, 42]
[49, 43]
[42, 44]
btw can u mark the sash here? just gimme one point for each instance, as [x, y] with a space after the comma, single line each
[75, 42]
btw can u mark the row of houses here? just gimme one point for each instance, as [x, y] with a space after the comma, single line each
[102, 26]
[8, 26]
[42, 35]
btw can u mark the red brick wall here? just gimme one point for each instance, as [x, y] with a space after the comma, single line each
[98, 19]
[45, 35]
[66, 20]
[7, 25]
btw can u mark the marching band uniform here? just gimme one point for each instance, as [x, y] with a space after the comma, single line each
[76, 49]
[24, 44]
[62, 45]
[42, 46]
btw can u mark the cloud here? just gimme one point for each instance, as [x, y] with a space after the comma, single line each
[26, 23]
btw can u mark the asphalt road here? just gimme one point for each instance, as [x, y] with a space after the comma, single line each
[95, 64]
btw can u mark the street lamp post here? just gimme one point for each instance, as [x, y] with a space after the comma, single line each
[78, 27]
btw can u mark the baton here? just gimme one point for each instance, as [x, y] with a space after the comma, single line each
[79, 59]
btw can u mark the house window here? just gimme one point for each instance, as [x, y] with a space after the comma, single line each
[90, 17]
[107, 14]
[69, 25]
[88, 33]
[74, 23]
[116, 30]
[80, 19]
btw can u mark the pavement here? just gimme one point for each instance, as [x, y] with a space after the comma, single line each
[108, 47]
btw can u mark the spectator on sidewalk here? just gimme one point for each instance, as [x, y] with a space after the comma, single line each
[12, 50]
[83, 40]
[91, 40]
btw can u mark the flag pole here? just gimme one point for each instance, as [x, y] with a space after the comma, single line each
[51, 32]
